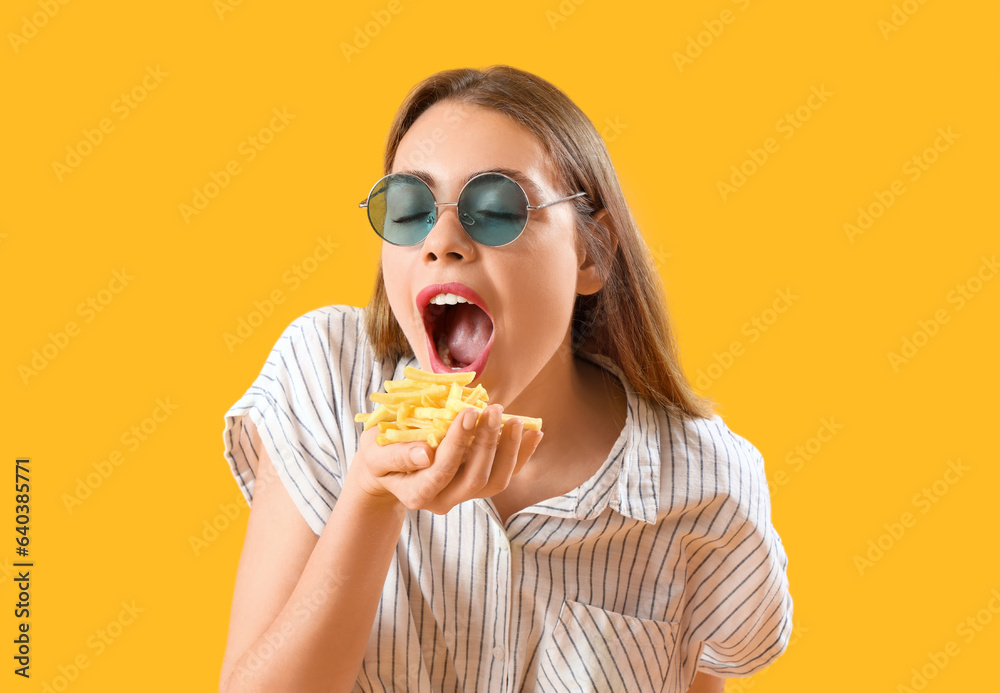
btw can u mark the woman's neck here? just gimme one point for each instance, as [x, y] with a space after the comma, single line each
[583, 411]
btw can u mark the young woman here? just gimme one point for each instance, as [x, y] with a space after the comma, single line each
[627, 547]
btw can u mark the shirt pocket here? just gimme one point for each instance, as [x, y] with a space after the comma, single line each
[593, 649]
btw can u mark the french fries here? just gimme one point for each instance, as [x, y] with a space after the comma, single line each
[422, 406]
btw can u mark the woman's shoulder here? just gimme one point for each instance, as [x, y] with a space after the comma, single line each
[681, 439]
[334, 333]
[690, 460]
[698, 437]
[327, 351]
[703, 461]
[329, 324]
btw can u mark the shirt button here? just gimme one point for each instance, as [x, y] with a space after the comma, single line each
[498, 653]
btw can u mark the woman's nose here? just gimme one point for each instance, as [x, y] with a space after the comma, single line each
[447, 238]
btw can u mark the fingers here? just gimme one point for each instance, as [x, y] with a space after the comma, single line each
[401, 457]
[423, 490]
[475, 459]
[475, 474]
[529, 443]
[492, 459]
[504, 459]
[452, 450]
[460, 432]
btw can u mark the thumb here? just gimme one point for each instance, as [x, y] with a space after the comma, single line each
[402, 457]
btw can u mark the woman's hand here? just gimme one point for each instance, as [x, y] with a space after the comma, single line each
[474, 460]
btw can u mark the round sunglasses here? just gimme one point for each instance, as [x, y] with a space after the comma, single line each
[492, 207]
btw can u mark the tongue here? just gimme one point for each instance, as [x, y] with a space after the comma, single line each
[467, 333]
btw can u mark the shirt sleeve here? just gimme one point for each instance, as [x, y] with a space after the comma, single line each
[302, 405]
[740, 607]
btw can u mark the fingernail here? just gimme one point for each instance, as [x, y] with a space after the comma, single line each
[494, 417]
[517, 430]
[469, 422]
[540, 436]
[419, 457]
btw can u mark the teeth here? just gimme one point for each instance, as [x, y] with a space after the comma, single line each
[442, 344]
[444, 352]
[450, 299]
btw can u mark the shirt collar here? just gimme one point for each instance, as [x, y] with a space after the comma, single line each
[629, 480]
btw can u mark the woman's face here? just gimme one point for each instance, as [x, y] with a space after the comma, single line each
[525, 290]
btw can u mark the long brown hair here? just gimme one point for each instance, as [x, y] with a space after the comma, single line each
[627, 319]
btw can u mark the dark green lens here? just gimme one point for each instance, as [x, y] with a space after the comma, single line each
[401, 209]
[493, 209]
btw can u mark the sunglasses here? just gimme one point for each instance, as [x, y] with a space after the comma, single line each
[492, 207]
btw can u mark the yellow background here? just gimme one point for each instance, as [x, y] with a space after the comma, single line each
[673, 134]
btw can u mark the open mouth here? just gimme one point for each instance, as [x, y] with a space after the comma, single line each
[459, 328]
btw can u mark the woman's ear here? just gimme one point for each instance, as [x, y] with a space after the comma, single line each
[588, 278]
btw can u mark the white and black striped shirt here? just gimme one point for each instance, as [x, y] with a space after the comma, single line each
[664, 562]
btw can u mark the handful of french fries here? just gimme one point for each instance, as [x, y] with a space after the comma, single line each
[422, 406]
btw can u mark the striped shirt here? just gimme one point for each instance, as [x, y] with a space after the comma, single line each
[663, 563]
